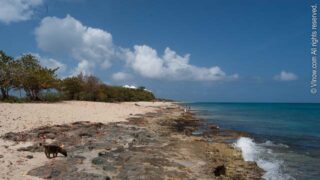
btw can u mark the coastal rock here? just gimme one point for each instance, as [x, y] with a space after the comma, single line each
[213, 127]
[99, 161]
[156, 146]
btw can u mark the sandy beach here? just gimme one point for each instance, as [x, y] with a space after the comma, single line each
[25, 116]
[20, 117]
[132, 140]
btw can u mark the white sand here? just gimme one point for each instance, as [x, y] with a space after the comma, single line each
[26, 116]
[19, 117]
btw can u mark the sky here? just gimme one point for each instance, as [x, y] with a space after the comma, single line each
[208, 50]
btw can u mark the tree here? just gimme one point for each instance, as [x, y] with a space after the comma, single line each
[26, 73]
[6, 74]
[91, 88]
[34, 78]
[71, 87]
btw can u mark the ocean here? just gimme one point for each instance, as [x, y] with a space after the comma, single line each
[284, 137]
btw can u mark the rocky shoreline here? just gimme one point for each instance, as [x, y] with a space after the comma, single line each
[165, 144]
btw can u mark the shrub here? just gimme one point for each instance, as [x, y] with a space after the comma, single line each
[26, 73]
[13, 99]
[51, 97]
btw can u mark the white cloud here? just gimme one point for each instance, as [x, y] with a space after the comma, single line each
[93, 47]
[145, 61]
[121, 76]
[83, 67]
[285, 76]
[59, 35]
[90, 46]
[17, 10]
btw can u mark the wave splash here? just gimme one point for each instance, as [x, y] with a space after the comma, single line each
[264, 157]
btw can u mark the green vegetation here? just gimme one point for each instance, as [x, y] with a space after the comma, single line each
[90, 88]
[42, 84]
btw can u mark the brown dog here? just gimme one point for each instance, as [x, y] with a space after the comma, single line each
[54, 150]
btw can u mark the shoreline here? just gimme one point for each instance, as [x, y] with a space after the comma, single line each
[273, 156]
[162, 139]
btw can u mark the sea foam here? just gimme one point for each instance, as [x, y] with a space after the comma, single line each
[264, 158]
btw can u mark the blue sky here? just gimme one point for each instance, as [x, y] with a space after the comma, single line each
[248, 51]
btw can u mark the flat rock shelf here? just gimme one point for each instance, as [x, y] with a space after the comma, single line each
[165, 144]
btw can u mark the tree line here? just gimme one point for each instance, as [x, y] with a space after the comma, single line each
[26, 75]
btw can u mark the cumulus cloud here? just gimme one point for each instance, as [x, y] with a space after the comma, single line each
[145, 61]
[90, 46]
[285, 76]
[17, 10]
[93, 47]
[84, 67]
[121, 76]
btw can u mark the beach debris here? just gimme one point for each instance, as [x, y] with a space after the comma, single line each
[219, 170]
[29, 156]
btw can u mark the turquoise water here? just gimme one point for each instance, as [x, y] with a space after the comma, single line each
[285, 137]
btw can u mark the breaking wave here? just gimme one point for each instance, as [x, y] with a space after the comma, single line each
[264, 157]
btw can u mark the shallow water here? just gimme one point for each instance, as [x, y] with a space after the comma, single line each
[285, 136]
